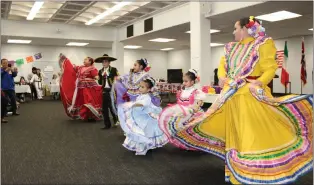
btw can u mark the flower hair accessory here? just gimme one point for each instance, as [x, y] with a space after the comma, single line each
[147, 68]
[254, 28]
[198, 78]
[152, 80]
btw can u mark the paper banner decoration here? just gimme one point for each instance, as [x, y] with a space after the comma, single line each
[19, 62]
[30, 59]
[12, 62]
[38, 56]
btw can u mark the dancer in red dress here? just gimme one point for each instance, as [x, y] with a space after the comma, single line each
[80, 93]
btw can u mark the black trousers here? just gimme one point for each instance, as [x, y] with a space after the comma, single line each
[106, 106]
[34, 92]
[11, 95]
[4, 104]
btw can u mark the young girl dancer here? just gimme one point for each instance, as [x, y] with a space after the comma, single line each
[126, 87]
[138, 119]
[189, 102]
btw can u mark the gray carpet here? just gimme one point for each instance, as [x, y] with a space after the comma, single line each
[42, 146]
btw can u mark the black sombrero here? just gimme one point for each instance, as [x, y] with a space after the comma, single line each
[104, 57]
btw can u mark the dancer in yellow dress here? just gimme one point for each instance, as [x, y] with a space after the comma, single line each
[263, 140]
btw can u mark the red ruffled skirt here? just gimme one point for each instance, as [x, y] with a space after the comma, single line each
[82, 99]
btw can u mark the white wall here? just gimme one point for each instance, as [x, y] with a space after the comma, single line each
[178, 60]
[157, 59]
[159, 23]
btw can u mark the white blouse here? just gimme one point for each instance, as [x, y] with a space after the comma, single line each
[186, 93]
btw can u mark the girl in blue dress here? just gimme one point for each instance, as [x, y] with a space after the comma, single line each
[139, 122]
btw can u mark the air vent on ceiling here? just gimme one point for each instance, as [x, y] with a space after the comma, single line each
[80, 2]
[58, 16]
[73, 7]
[148, 25]
[129, 31]
[68, 12]
[58, 20]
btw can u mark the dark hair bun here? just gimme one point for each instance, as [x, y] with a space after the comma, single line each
[150, 82]
[191, 75]
[142, 63]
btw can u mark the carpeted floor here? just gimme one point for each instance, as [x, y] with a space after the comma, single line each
[43, 146]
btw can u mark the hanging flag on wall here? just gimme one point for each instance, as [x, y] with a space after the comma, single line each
[19, 61]
[30, 59]
[284, 73]
[38, 56]
[303, 65]
[279, 58]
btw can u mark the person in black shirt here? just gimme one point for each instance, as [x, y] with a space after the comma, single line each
[107, 76]
[216, 80]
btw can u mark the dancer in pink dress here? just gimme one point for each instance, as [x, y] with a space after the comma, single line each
[189, 102]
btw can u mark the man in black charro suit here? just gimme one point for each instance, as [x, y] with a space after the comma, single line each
[106, 78]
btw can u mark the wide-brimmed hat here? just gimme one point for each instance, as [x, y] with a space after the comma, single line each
[104, 57]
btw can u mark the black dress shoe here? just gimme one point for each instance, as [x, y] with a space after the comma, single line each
[105, 128]
[16, 114]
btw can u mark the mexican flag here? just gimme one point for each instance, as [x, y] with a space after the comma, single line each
[284, 73]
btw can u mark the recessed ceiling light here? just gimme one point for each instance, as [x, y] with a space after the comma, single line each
[19, 41]
[34, 10]
[76, 44]
[278, 16]
[211, 31]
[132, 47]
[109, 11]
[167, 49]
[311, 29]
[162, 40]
[215, 44]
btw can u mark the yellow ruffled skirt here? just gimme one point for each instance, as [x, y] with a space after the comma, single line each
[262, 143]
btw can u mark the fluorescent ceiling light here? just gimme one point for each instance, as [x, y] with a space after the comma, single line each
[76, 44]
[211, 31]
[34, 10]
[214, 31]
[166, 49]
[278, 16]
[19, 41]
[162, 40]
[311, 29]
[132, 47]
[109, 11]
[215, 44]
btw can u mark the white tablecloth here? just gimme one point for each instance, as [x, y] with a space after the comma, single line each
[210, 98]
[22, 89]
[54, 88]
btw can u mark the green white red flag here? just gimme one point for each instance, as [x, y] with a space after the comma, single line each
[284, 73]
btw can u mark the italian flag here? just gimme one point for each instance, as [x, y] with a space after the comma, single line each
[284, 73]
